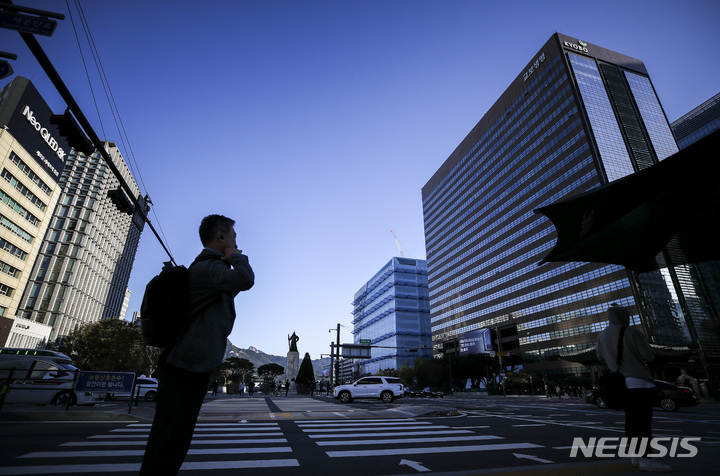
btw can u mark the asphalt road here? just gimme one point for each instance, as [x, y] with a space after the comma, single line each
[318, 436]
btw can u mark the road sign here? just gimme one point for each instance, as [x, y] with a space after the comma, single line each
[27, 24]
[105, 382]
[5, 69]
[352, 351]
[365, 341]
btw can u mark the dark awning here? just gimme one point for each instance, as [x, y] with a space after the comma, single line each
[631, 220]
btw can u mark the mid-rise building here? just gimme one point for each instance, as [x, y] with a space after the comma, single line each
[32, 158]
[698, 123]
[391, 313]
[577, 116]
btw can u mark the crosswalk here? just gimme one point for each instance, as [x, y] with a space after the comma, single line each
[264, 444]
[399, 437]
[290, 407]
[214, 447]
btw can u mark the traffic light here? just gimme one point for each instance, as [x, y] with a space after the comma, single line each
[121, 201]
[70, 129]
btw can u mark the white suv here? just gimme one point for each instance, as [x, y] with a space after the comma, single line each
[386, 389]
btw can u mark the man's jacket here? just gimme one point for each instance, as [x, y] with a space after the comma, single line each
[213, 285]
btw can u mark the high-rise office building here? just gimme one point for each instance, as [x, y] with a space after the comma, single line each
[81, 273]
[71, 265]
[391, 313]
[576, 117]
[32, 157]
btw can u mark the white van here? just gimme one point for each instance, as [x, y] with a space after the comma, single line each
[41, 377]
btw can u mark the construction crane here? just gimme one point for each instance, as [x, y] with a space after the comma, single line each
[397, 242]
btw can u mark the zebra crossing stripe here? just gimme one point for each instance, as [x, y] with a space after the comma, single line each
[125, 453]
[194, 442]
[135, 467]
[426, 450]
[394, 433]
[390, 441]
[380, 428]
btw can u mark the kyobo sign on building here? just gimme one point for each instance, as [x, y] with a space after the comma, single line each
[579, 46]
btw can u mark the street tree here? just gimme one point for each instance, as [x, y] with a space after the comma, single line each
[270, 371]
[109, 344]
[241, 369]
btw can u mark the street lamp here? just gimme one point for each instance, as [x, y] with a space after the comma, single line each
[337, 357]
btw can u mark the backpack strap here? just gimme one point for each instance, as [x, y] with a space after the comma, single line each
[190, 316]
[620, 348]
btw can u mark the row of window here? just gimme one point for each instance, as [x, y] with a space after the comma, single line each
[10, 225]
[19, 209]
[32, 198]
[24, 168]
[11, 271]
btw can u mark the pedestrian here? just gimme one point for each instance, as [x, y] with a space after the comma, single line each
[241, 388]
[216, 276]
[251, 388]
[636, 353]
[215, 386]
[312, 387]
[287, 387]
[557, 390]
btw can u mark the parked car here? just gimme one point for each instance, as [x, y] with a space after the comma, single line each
[41, 377]
[669, 397]
[413, 392]
[386, 389]
[432, 392]
[148, 389]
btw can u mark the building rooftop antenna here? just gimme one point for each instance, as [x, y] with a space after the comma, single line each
[397, 242]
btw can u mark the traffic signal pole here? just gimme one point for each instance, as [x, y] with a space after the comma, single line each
[73, 106]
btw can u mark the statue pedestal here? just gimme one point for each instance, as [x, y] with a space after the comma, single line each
[293, 365]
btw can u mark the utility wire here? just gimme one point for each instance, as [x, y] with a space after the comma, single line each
[115, 111]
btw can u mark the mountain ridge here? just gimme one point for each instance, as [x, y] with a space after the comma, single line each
[258, 357]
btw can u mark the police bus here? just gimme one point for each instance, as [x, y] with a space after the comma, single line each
[39, 376]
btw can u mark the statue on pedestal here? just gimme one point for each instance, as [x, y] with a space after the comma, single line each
[292, 342]
[293, 358]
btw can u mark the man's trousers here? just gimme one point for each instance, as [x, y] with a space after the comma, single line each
[179, 398]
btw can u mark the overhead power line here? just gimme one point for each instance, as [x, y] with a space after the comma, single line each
[57, 81]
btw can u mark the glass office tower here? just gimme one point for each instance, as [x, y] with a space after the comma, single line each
[577, 117]
[392, 314]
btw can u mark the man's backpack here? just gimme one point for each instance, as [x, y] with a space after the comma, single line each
[612, 387]
[164, 309]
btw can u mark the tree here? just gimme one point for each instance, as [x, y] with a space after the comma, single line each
[240, 368]
[270, 371]
[110, 344]
[387, 373]
[306, 374]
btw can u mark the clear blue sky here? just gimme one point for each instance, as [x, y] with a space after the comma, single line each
[316, 123]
